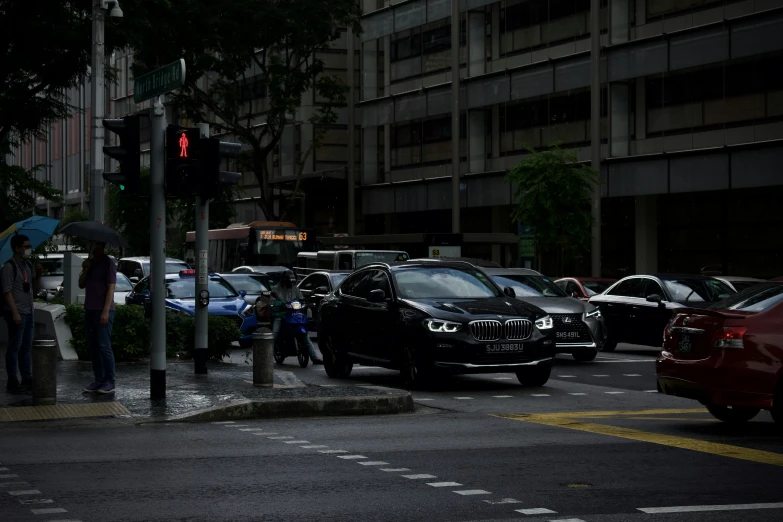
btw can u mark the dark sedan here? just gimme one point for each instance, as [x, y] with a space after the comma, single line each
[426, 318]
[314, 288]
[637, 308]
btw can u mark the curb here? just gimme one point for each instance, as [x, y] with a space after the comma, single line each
[387, 402]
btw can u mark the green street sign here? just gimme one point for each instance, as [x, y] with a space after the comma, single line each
[159, 81]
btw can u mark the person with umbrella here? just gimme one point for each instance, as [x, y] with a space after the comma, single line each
[19, 284]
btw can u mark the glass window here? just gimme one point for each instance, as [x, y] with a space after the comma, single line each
[573, 289]
[252, 284]
[377, 280]
[123, 284]
[629, 288]
[344, 262]
[314, 281]
[444, 283]
[353, 285]
[758, 299]
[186, 288]
[365, 258]
[530, 285]
[337, 279]
[596, 287]
[143, 286]
[652, 287]
[697, 290]
[171, 268]
[52, 267]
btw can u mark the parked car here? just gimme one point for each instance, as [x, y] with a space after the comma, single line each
[637, 308]
[137, 268]
[314, 288]
[740, 283]
[425, 318]
[729, 357]
[122, 288]
[584, 287]
[52, 278]
[258, 288]
[579, 327]
[224, 300]
[274, 273]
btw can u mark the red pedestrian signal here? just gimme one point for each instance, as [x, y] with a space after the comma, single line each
[183, 145]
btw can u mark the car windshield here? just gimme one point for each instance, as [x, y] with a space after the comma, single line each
[697, 290]
[365, 258]
[52, 267]
[253, 284]
[185, 288]
[759, 298]
[595, 287]
[337, 279]
[123, 284]
[743, 285]
[530, 285]
[171, 268]
[443, 283]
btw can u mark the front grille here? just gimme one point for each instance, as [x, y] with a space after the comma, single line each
[518, 329]
[572, 323]
[486, 330]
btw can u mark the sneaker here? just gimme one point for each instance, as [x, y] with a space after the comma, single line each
[94, 387]
[106, 388]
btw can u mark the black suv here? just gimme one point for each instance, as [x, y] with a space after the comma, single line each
[425, 317]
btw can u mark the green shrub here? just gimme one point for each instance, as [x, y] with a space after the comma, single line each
[222, 332]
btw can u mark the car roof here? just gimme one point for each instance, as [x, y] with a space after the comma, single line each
[147, 258]
[432, 263]
[596, 279]
[472, 260]
[739, 278]
[263, 269]
[511, 271]
[329, 272]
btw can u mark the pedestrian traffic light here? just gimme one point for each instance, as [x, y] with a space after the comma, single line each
[211, 153]
[182, 161]
[127, 153]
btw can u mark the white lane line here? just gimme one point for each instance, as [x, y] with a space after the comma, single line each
[10, 475]
[13, 484]
[223, 422]
[24, 492]
[535, 511]
[650, 391]
[296, 442]
[600, 375]
[332, 451]
[373, 463]
[463, 398]
[502, 378]
[236, 425]
[443, 484]
[423, 399]
[614, 393]
[566, 376]
[264, 433]
[315, 446]
[539, 395]
[48, 511]
[577, 394]
[351, 457]
[503, 396]
[419, 476]
[394, 469]
[3, 469]
[467, 492]
[281, 437]
[632, 374]
[254, 429]
[36, 501]
[504, 501]
[567, 520]
[724, 507]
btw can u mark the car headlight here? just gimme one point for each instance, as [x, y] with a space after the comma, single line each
[593, 314]
[438, 326]
[545, 323]
[248, 311]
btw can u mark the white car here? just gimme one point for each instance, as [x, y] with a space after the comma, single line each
[122, 289]
[739, 283]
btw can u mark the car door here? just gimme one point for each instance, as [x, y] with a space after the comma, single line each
[651, 318]
[140, 293]
[616, 307]
[378, 336]
[308, 287]
[345, 324]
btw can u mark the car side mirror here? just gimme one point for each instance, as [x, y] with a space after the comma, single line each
[655, 298]
[575, 294]
[242, 293]
[509, 291]
[377, 296]
[134, 280]
[324, 290]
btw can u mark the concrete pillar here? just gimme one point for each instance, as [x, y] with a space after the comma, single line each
[477, 43]
[646, 234]
[619, 21]
[387, 65]
[641, 109]
[496, 131]
[620, 123]
[496, 31]
[641, 12]
[369, 156]
[370, 70]
[477, 140]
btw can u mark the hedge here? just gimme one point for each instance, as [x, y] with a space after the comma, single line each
[130, 338]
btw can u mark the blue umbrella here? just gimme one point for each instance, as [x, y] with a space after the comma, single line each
[38, 228]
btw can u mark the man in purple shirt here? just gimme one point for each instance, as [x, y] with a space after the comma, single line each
[98, 279]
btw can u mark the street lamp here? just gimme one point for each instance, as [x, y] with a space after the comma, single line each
[98, 105]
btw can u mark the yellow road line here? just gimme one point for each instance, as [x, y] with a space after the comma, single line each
[724, 450]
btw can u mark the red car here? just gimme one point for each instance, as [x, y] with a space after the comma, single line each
[728, 357]
[584, 287]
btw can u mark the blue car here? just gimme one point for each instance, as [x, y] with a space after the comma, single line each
[224, 300]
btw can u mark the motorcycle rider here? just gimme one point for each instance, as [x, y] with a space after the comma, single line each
[287, 290]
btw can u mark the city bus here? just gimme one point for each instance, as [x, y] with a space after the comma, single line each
[260, 243]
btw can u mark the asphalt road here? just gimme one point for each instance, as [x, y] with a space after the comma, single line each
[480, 449]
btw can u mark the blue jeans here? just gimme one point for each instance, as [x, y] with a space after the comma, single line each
[20, 341]
[99, 344]
[278, 322]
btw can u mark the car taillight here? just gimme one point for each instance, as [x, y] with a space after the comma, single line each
[729, 337]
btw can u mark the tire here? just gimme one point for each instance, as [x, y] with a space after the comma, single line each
[585, 356]
[732, 415]
[336, 366]
[415, 373]
[302, 354]
[534, 376]
[279, 357]
[609, 345]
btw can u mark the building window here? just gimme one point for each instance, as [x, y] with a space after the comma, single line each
[668, 7]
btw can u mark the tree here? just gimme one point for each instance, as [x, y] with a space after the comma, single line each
[246, 49]
[552, 194]
[19, 189]
[74, 215]
[221, 212]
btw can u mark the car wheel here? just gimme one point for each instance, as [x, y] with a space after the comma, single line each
[415, 373]
[585, 356]
[279, 357]
[336, 366]
[732, 414]
[609, 345]
[534, 376]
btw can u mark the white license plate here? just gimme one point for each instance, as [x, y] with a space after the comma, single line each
[567, 335]
[684, 344]
[504, 348]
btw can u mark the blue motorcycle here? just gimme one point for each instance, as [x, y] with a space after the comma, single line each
[292, 338]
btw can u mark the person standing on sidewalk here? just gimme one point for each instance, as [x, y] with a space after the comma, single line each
[98, 279]
[18, 287]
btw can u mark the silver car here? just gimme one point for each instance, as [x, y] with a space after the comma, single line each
[579, 326]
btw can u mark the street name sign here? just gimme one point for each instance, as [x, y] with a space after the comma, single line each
[159, 81]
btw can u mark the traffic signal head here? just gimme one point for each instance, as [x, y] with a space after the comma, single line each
[212, 151]
[127, 153]
[182, 161]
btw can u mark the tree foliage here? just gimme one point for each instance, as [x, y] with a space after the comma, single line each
[245, 48]
[74, 214]
[19, 189]
[552, 194]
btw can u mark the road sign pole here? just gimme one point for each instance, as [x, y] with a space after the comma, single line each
[202, 277]
[157, 252]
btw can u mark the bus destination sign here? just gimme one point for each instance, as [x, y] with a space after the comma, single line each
[281, 235]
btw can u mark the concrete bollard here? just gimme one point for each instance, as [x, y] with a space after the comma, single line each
[263, 359]
[44, 357]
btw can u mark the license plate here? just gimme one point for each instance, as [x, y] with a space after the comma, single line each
[684, 344]
[567, 335]
[505, 348]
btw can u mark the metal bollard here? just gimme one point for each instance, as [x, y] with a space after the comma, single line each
[263, 360]
[44, 358]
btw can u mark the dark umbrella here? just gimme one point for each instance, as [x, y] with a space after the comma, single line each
[94, 231]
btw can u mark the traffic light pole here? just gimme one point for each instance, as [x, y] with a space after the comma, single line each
[157, 252]
[202, 276]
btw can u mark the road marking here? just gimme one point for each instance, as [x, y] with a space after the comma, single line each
[468, 492]
[464, 398]
[567, 376]
[419, 476]
[351, 457]
[25, 492]
[502, 396]
[3, 469]
[13, 484]
[48, 511]
[502, 378]
[223, 422]
[395, 469]
[650, 391]
[577, 394]
[504, 501]
[539, 395]
[374, 463]
[600, 375]
[332, 451]
[236, 425]
[443, 484]
[36, 501]
[296, 442]
[567, 520]
[535, 511]
[573, 421]
[281, 437]
[264, 433]
[632, 374]
[725, 507]
[423, 399]
[9, 476]
[254, 429]
[314, 446]
[614, 392]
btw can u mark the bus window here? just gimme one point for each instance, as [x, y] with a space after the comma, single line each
[345, 262]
